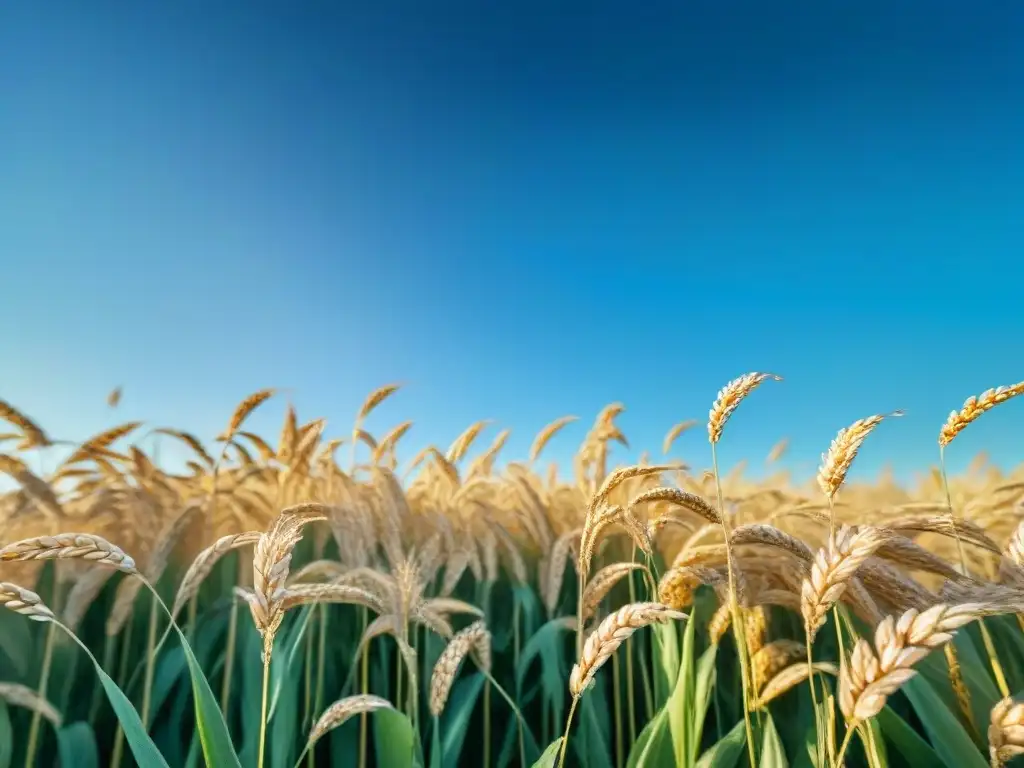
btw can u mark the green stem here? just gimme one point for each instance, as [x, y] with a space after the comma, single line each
[147, 689]
[846, 743]
[630, 698]
[364, 688]
[617, 705]
[321, 655]
[990, 648]
[307, 680]
[819, 736]
[44, 679]
[263, 709]
[565, 736]
[734, 609]
[115, 758]
[487, 724]
[97, 692]
[515, 710]
[229, 659]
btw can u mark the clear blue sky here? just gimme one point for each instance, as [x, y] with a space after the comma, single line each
[520, 210]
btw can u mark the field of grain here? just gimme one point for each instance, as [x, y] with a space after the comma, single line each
[309, 601]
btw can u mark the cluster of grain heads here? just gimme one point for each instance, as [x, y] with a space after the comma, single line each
[872, 675]
[1006, 731]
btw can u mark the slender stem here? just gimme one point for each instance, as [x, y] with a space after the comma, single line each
[814, 695]
[846, 743]
[487, 724]
[229, 658]
[147, 686]
[97, 692]
[579, 614]
[630, 698]
[321, 655]
[734, 609]
[364, 688]
[990, 649]
[565, 736]
[115, 759]
[617, 706]
[307, 678]
[263, 709]
[44, 680]
[515, 711]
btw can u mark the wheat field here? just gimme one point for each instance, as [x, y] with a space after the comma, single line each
[306, 600]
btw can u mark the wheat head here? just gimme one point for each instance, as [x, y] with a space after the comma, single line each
[729, 397]
[843, 450]
[204, 563]
[474, 638]
[973, 407]
[271, 563]
[872, 675]
[84, 546]
[1006, 731]
[832, 570]
[610, 634]
[23, 601]
[23, 696]
[344, 709]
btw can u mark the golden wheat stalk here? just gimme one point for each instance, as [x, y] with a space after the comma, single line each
[729, 397]
[602, 582]
[203, 565]
[32, 434]
[832, 571]
[678, 585]
[1006, 731]
[474, 638]
[271, 563]
[344, 709]
[789, 678]
[610, 634]
[23, 601]
[973, 407]
[674, 433]
[771, 659]
[242, 412]
[843, 450]
[85, 546]
[872, 675]
[22, 696]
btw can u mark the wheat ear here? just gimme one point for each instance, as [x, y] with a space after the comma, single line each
[832, 570]
[872, 675]
[1006, 731]
[23, 696]
[610, 634]
[23, 601]
[342, 710]
[474, 638]
[83, 546]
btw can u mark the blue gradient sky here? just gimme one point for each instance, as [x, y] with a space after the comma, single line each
[520, 212]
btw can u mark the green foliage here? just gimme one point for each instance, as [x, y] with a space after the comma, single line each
[695, 720]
